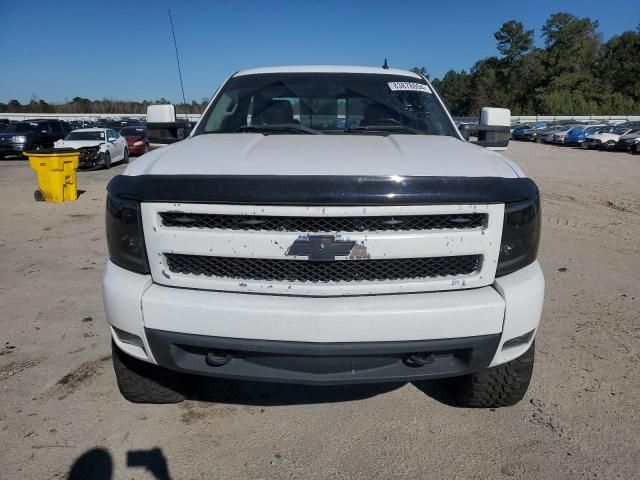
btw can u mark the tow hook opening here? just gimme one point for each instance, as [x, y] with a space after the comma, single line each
[218, 358]
[420, 359]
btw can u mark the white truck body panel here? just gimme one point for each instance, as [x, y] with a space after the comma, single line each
[257, 154]
[133, 302]
[327, 69]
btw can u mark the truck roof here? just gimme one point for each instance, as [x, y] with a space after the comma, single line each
[327, 69]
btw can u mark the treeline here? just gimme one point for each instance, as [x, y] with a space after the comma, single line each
[576, 73]
[84, 105]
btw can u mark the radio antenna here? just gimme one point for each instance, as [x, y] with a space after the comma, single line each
[175, 44]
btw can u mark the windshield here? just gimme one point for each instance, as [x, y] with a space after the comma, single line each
[132, 132]
[85, 136]
[335, 103]
[20, 127]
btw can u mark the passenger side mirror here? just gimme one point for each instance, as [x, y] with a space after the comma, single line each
[493, 129]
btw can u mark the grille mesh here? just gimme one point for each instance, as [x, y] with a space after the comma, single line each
[322, 271]
[322, 224]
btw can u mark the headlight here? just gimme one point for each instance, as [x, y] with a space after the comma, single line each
[520, 236]
[138, 143]
[18, 139]
[125, 239]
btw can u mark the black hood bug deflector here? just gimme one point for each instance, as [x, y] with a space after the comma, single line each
[322, 190]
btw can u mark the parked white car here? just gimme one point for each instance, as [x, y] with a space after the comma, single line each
[606, 139]
[100, 146]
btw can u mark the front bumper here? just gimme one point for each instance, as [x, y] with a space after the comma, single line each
[324, 340]
[11, 148]
[624, 146]
[321, 363]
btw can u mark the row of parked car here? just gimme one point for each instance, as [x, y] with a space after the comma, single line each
[101, 144]
[617, 135]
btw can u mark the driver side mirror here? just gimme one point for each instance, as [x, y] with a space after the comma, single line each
[111, 139]
[493, 129]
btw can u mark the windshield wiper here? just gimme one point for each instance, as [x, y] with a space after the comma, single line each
[279, 127]
[386, 128]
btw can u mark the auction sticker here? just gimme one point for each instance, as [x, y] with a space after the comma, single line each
[409, 86]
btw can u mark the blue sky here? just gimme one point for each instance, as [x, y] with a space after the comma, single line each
[57, 50]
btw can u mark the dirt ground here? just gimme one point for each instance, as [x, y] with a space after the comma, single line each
[61, 413]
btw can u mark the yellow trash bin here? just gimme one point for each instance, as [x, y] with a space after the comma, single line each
[56, 172]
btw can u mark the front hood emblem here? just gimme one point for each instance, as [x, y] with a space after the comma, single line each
[320, 247]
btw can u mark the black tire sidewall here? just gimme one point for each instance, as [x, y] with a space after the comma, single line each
[142, 382]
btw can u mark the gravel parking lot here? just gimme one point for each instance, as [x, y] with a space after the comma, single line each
[61, 414]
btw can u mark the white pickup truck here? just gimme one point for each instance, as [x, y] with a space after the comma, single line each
[325, 225]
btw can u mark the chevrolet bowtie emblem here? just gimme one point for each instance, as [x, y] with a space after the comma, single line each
[321, 247]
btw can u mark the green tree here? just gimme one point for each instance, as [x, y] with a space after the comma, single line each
[421, 71]
[14, 106]
[513, 40]
[572, 43]
[620, 64]
[454, 88]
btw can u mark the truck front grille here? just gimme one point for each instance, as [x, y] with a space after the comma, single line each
[322, 271]
[322, 224]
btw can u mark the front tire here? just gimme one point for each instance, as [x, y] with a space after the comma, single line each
[501, 386]
[125, 159]
[106, 160]
[142, 382]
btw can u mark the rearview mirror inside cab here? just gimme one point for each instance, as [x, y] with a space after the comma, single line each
[493, 129]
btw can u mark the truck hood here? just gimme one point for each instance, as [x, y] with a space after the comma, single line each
[368, 155]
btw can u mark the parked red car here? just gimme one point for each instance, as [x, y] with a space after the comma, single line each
[136, 139]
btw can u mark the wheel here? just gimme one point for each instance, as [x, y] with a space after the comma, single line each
[38, 195]
[146, 149]
[501, 386]
[142, 382]
[126, 156]
[106, 160]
